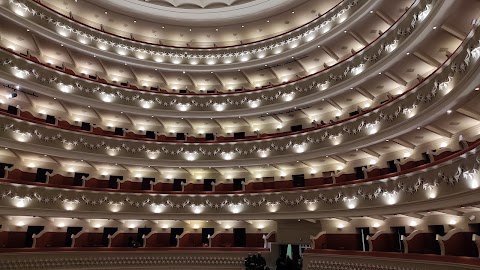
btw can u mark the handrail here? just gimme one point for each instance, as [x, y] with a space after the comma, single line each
[394, 255]
[188, 48]
[223, 93]
[262, 137]
[111, 249]
[409, 237]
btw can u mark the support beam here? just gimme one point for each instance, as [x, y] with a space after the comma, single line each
[379, 217]
[160, 122]
[305, 164]
[371, 152]
[427, 59]
[334, 104]
[404, 143]
[162, 77]
[387, 19]
[277, 119]
[440, 131]
[98, 115]
[247, 78]
[362, 91]
[35, 42]
[133, 73]
[304, 113]
[129, 119]
[189, 124]
[358, 38]
[394, 77]
[218, 123]
[276, 167]
[339, 159]
[219, 80]
[330, 53]
[301, 65]
[102, 66]
[469, 113]
[451, 212]
[414, 215]
[191, 80]
[346, 219]
[454, 32]
[64, 107]
[27, 97]
[274, 73]
[71, 57]
[246, 121]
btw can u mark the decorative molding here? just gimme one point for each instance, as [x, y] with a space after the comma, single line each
[390, 191]
[409, 103]
[307, 33]
[320, 81]
[109, 260]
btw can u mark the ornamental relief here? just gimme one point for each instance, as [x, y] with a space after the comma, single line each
[131, 260]
[400, 110]
[309, 32]
[308, 86]
[336, 265]
[447, 179]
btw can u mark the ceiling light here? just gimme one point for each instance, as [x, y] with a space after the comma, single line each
[449, 111]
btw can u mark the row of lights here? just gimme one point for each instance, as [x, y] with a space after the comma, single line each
[412, 224]
[260, 226]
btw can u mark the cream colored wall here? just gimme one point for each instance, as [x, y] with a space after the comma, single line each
[58, 224]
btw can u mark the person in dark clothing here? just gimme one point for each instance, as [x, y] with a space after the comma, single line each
[253, 264]
[248, 261]
[261, 263]
[281, 265]
[133, 243]
[290, 264]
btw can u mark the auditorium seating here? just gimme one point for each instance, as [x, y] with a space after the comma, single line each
[457, 243]
[88, 239]
[407, 165]
[121, 239]
[156, 239]
[383, 241]
[221, 240]
[324, 240]
[49, 239]
[187, 239]
[13, 239]
[422, 242]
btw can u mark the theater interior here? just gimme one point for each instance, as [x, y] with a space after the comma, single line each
[240, 134]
